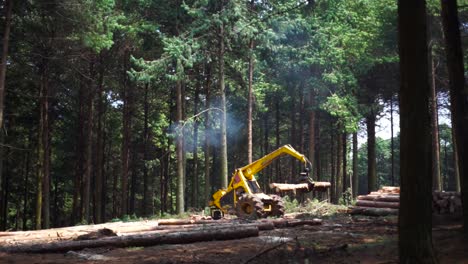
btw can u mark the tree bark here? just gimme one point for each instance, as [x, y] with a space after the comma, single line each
[392, 143]
[355, 181]
[436, 179]
[99, 206]
[223, 154]
[179, 146]
[346, 182]
[88, 147]
[414, 221]
[147, 182]
[208, 134]
[371, 157]
[126, 127]
[312, 134]
[196, 184]
[250, 102]
[458, 95]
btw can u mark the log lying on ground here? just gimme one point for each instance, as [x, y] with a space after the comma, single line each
[375, 204]
[317, 186]
[182, 237]
[380, 198]
[372, 211]
[284, 223]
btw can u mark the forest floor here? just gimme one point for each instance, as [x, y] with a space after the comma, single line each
[340, 239]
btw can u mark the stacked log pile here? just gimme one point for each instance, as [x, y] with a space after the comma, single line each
[143, 233]
[446, 202]
[386, 201]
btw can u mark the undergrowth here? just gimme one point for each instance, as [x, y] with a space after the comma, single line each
[313, 207]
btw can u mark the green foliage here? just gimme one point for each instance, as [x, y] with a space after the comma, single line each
[345, 110]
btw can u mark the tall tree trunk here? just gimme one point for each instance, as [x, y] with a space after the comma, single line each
[355, 166]
[415, 213]
[179, 146]
[371, 158]
[223, 154]
[458, 95]
[292, 131]
[26, 181]
[196, 184]
[43, 179]
[79, 157]
[88, 147]
[250, 103]
[126, 137]
[436, 179]
[318, 170]
[100, 147]
[332, 168]
[346, 183]
[312, 128]
[3, 68]
[456, 165]
[392, 143]
[277, 135]
[147, 182]
[339, 166]
[208, 135]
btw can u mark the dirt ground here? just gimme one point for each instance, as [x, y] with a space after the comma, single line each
[341, 239]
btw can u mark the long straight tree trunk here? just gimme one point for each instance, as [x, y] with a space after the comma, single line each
[223, 154]
[79, 157]
[88, 147]
[332, 168]
[346, 183]
[179, 147]
[436, 179]
[355, 181]
[250, 103]
[278, 177]
[456, 172]
[195, 182]
[100, 147]
[415, 213]
[147, 182]
[126, 126]
[392, 144]
[371, 158]
[339, 167]
[3, 67]
[43, 180]
[312, 128]
[208, 135]
[458, 95]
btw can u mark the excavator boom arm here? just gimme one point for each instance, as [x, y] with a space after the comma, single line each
[250, 170]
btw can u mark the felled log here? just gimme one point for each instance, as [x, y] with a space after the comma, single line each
[285, 223]
[376, 204]
[317, 186]
[282, 187]
[151, 239]
[446, 202]
[321, 186]
[380, 198]
[372, 211]
[390, 189]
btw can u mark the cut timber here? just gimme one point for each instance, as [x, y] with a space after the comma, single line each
[317, 186]
[375, 204]
[284, 223]
[390, 189]
[373, 211]
[282, 187]
[380, 198]
[182, 237]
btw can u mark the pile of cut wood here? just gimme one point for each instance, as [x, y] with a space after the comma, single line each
[380, 203]
[446, 202]
[386, 201]
[143, 233]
